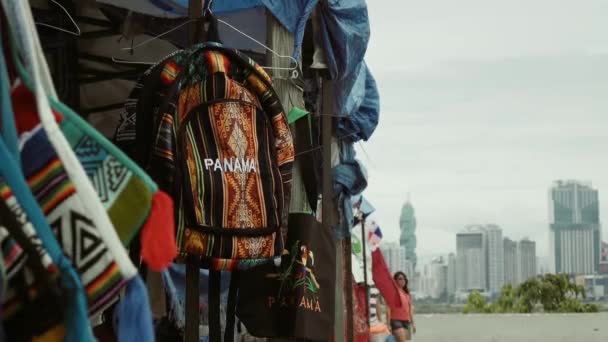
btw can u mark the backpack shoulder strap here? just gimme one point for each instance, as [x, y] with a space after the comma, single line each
[231, 306]
[215, 327]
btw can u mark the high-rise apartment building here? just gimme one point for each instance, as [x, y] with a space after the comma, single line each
[470, 260]
[480, 262]
[451, 274]
[574, 231]
[510, 264]
[495, 257]
[432, 281]
[526, 260]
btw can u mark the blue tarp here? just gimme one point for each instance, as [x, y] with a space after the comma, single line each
[292, 14]
[359, 107]
[344, 33]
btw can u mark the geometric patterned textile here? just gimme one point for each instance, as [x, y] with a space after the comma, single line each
[225, 152]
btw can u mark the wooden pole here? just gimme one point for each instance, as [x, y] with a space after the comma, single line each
[348, 286]
[363, 238]
[327, 207]
[195, 9]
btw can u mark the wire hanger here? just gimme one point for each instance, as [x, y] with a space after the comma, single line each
[294, 69]
[295, 62]
[76, 33]
[124, 61]
[131, 48]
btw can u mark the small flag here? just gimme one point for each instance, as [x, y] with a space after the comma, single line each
[375, 235]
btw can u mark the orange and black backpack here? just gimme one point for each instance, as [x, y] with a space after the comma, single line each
[223, 148]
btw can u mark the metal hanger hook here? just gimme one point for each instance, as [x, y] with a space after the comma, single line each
[77, 33]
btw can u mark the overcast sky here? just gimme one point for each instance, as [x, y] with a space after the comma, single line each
[483, 105]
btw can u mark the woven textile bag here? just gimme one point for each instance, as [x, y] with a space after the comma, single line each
[83, 225]
[102, 261]
[224, 149]
[130, 197]
[64, 193]
[49, 282]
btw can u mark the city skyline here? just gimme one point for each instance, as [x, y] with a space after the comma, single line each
[485, 261]
[540, 238]
[482, 121]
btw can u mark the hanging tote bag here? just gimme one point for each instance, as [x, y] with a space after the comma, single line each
[297, 298]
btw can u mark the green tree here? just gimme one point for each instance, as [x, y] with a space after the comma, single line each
[554, 292]
[507, 300]
[558, 294]
[476, 304]
[528, 294]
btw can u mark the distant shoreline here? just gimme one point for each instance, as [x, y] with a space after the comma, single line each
[457, 309]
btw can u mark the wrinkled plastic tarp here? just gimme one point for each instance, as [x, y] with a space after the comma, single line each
[344, 33]
[360, 107]
[292, 14]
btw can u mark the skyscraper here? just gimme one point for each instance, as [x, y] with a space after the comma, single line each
[407, 223]
[495, 257]
[470, 260]
[574, 231]
[451, 281]
[510, 252]
[526, 263]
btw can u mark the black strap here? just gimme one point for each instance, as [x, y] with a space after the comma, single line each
[303, 146]
[231, 306]
[215, 327]
[15, 229]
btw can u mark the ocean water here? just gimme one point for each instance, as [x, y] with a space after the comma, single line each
[511, 327]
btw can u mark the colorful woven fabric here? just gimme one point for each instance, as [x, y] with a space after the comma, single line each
[129, 195]
[73, 227]
[32, 303]
[124, 189]
[134, 133]
[224, 148]
[126, 197]
[76, 230]
[15, 257]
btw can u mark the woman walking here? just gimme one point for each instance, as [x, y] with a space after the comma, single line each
[397, 295]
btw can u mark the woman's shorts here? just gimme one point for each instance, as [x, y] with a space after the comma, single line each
[397, 324]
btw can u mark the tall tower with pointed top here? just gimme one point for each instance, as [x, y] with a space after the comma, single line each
[407, 224]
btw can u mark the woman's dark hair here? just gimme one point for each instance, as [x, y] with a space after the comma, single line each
[405, 288]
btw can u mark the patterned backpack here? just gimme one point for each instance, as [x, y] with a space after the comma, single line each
[224, 150]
